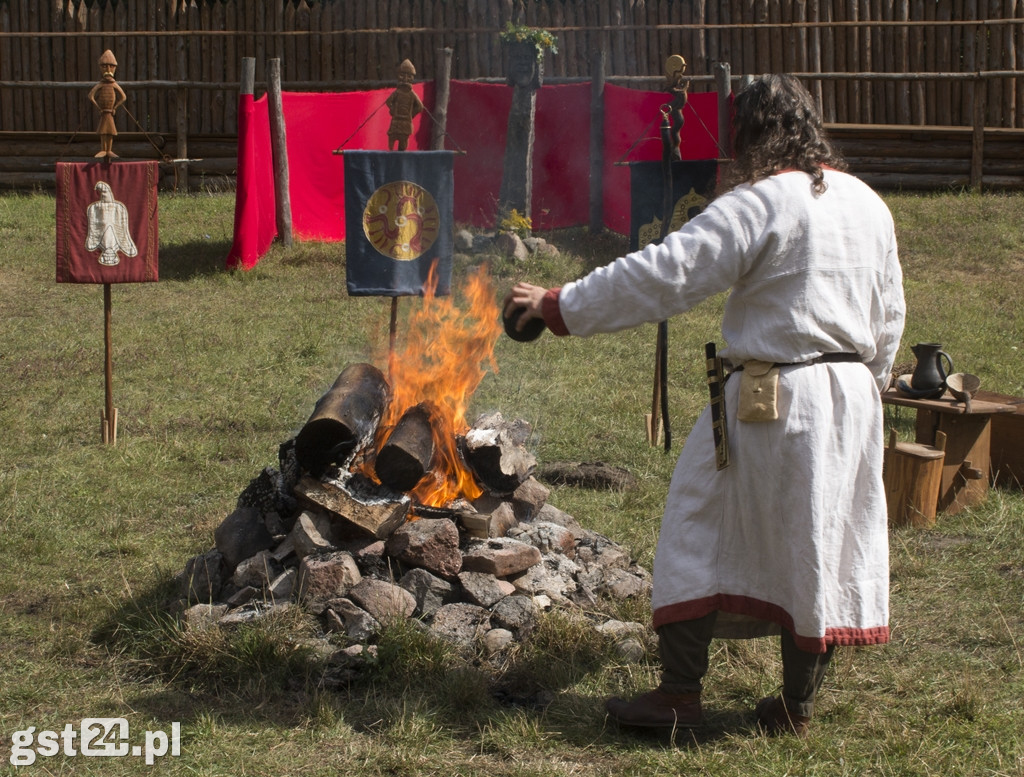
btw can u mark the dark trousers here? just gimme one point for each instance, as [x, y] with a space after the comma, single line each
[684, 657]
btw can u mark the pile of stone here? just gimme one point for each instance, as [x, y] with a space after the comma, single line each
[478, 576]
[503, 243]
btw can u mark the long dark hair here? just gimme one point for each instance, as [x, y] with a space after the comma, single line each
[779, 128]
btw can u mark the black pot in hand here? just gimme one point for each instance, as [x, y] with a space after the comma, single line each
[533, 329]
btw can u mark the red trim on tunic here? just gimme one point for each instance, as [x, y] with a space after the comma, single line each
[756, 608]
[552, 313]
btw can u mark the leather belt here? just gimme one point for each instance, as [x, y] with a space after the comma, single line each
[825, 358]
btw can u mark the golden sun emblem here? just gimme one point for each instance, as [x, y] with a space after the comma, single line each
[686, 207]
[401, 220]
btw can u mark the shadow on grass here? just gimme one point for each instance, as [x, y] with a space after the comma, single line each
[270, 671]
[182, 261]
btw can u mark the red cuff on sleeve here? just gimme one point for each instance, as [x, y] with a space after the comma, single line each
[552, 313]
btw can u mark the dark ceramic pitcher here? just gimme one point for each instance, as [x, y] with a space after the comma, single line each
[929, 374]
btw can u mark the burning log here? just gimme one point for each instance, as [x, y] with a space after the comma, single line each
[377, 516]
[344, 419]
[496, 453]
[409, 451]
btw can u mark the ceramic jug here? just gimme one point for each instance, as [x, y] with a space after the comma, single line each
[929, 374]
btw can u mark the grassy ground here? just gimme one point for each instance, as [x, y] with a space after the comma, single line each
[213, 370]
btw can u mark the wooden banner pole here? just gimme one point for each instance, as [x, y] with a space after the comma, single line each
[392, 335]
[109, 417]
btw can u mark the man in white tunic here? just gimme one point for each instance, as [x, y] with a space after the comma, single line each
[791, 537]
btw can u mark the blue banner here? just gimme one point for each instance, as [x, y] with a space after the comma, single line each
[398, 221]
[693, 186]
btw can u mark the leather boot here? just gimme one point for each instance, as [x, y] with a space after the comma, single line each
[775, 718]
[657, 709]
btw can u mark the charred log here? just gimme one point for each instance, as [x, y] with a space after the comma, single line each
[344, 419]
[372, 512]
[595, 475]
[409, 451]
[496, 453]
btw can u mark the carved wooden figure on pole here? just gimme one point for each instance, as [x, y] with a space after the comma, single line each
[404, 105]
[107, 96]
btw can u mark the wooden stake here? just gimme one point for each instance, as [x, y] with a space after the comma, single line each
[109, 417]
[392, 335]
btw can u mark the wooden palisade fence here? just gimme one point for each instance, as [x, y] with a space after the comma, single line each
[887, 73]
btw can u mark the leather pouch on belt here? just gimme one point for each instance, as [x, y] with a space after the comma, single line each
[759, 389]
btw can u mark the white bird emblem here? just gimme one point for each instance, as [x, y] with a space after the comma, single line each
[108, 227]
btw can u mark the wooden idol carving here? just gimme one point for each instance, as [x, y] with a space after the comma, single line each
[107, 96]
[404, 104]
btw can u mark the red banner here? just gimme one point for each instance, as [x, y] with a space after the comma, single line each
[107, 222]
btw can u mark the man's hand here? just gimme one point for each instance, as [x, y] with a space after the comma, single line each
[529, 298]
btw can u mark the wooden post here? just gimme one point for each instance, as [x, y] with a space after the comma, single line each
[248, 82]
[597, 143]
[443, 82]
[279, 148]
[181, 152]
[980, 108]
[723, 84]
[108, 420]
[525, 78]
[978, 133]
[392, 336]
[181, 93]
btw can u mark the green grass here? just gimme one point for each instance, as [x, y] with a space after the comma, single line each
[213, 370]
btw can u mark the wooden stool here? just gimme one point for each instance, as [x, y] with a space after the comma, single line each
[912, 476]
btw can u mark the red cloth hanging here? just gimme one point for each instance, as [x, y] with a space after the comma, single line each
[317, 124]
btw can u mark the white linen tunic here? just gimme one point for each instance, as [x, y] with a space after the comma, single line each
[794, 532]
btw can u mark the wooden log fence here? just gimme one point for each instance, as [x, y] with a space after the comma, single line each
[881, 71]
[887, 156]
[330, 42]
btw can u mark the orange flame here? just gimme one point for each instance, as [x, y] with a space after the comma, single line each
[443, 358]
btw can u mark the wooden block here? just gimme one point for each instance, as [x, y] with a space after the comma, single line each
[912, 476]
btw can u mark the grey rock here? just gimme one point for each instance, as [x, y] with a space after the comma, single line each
[529, 498]
[512, 246]
[327, 576]
[203, 616]
[483, 244]
[282, 587]
[430, 591]
[429, 543]
[384, 601]
[201, 579]
[481, 588]
[242, 534]
[621, 629]
[463, 241]
[593, 548]
[630, 650]
[551, 514]
[242, 597]
[496, 640]
[356, 623]
[621, 584]
[553, 577]
[460, 623]
[313, 533]
[538, 245]
[518, 614]
[500, 556]
[549, 537]
[256, 571]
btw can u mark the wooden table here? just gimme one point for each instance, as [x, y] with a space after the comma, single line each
[968, 462]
